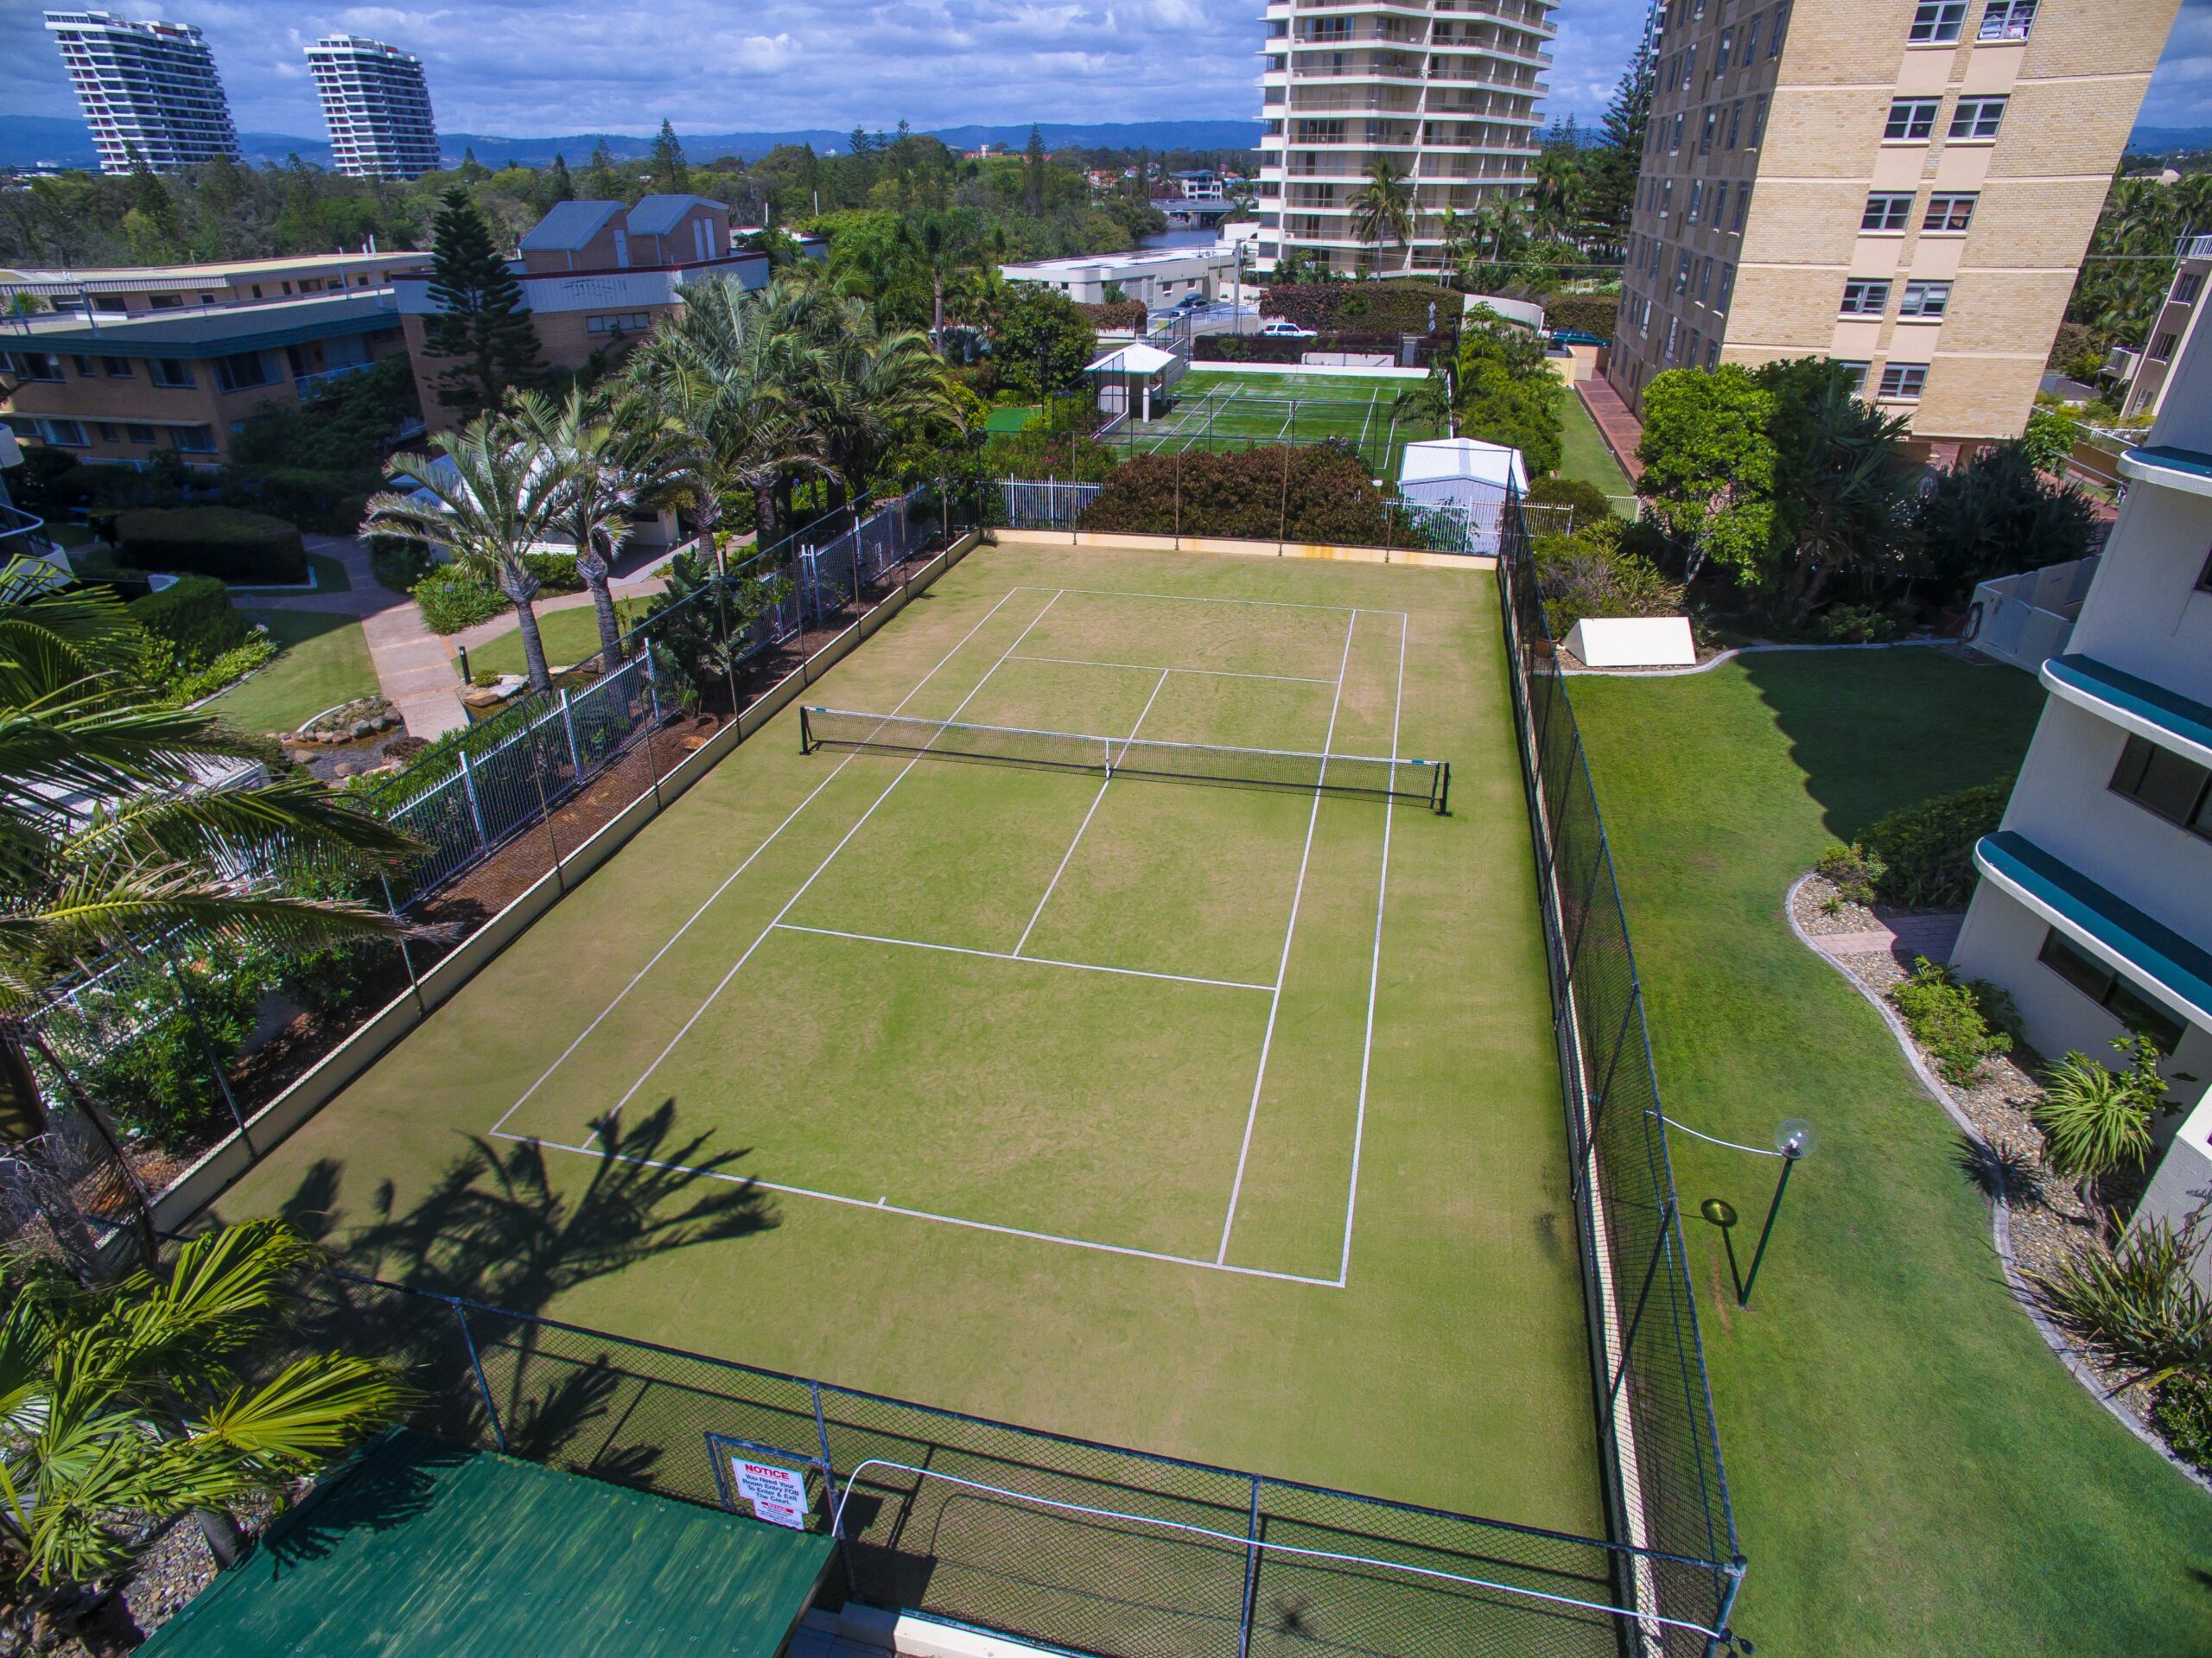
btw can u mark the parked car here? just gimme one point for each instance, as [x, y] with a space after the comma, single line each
[1281, 329]
[1191, 302]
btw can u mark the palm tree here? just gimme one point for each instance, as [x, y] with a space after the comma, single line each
[866, 390]
[487, 497]
[146, 1399]
[1383, 207]
[150, 850]
[1853, 492]
[607, 452]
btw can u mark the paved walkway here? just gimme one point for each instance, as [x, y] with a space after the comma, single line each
[1904, 936]
[411, 660]
[1616, 423]
[638, 584]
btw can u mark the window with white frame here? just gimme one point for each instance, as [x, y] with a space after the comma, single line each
[196, 440]
[1727, 288]
[173, 372]
[1925, 300]
[1911, 120]
[627, 322]
[1936, 22]
[1712, 126]
[1886, 211]
[1950, 212]
[1697, 201]
[1674, 337]
[2008, 20]
[1683, 272]
[1866, 298]
[1904, 382]
[2162, 348]
[1977, 119]
[2186, 286]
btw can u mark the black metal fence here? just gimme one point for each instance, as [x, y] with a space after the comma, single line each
[1656, 1430]
[1081, 1545]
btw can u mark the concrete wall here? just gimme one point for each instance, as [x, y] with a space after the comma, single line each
[207, 1179]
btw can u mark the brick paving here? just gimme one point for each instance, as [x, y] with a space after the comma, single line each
[1616, 423]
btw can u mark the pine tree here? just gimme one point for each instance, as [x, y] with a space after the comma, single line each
[564, 188]
[480, 323]
[671, 176]
[1613, 171]
[1032, 168]
[602, 183]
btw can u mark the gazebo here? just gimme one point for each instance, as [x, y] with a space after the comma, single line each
[1130, 377]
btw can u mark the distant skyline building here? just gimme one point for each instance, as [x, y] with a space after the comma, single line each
[149, 89]
[377, 108]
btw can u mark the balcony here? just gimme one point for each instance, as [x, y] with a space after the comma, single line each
[314, 385]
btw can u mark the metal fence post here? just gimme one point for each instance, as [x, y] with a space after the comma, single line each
[568, 725]
[1251, 1575]
[1659, 1249]
[475, 1363]
[830, 1487]
[475, 806]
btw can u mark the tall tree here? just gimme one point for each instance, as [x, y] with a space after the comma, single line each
[1032, 170]
[1708, 465]
[605, 455]
[480, 324]
[1613, 172]
[564, 188]
[601, 181]
[672, 175]
[1843, 483]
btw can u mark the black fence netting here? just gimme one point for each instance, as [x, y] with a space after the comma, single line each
[1080, 1546]
[1655, 1407]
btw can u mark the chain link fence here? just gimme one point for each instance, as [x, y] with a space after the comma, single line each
[1080, 1546]
[1656, 1411]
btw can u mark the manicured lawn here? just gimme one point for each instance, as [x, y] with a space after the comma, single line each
[324, 661]
[570, 635]
[1914, 1472]
[1586, 457]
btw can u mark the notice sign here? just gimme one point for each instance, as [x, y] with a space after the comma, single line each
[778, 1495]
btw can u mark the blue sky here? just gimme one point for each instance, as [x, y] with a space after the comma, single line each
[525, 68]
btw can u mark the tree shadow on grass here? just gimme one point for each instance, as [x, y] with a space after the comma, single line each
[498, 1231]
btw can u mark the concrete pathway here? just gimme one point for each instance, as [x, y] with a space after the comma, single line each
[1616, 423]
[411, 661]
[638, 584]
[1904, 936]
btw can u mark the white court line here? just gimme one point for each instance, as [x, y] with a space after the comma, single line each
[700, 1012]
[1374, 977]
[1282, 967]
[1088, 816]
[734, 873]
[1154, 668]
[882, 1207]
[1202, 597]
[1001, 955]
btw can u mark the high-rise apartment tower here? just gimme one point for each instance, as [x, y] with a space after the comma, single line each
[1908, 186]
[1443, 91]
[149, 90]
[377, 108]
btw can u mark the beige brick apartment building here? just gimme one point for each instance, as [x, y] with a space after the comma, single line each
[1906, 185]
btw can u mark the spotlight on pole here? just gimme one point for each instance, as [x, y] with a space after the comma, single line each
[1795, 1138]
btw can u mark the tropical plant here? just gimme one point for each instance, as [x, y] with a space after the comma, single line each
[2096, 1121]
[146, 1399]
[1994, 516]
[1843, 483]
[155, 850]
[2139, 1308]
[1957, 1022]
[487, 496]
[1383, 207]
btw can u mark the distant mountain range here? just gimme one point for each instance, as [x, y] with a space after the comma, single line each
[28, 139]
[2163, 141]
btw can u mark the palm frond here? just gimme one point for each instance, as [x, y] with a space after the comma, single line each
[315, 1408]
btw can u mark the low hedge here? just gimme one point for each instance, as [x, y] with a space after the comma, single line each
[1584, 312]
[450, 600]
[1320, 493]
[194, 617]
[1928, 849]
[222, 541]
[1115, 315]
[1277, 348]
[1391, 308]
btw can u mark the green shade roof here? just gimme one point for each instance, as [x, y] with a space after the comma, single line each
[418, 1548]
[2146, 948]
[2150, 708]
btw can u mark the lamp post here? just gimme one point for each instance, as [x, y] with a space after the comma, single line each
[1795, 1138]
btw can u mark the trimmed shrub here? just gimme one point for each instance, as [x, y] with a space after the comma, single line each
[194, 617]
[398, 562]
[1321, 494]
[217, 541]
[450, 600]
[1380, 307]
[1583, 312]
[1929, 848]
[1590, 504]
[1864, 624]
[2182, 1413]
[555, 572]
[1115, 314]
[1590, 573]
[1855, 873]
[1956, 1021]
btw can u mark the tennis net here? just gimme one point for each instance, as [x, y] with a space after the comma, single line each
[1427, 782]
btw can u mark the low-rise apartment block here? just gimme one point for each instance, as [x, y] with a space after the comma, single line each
[135, 360]
[149, 90]
[1908, 186]
[1156, 277]
[596, 276]
[2094, 906]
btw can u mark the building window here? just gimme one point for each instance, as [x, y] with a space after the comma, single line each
[1666, 198]
[35, 365]
[196, 440]
[1675, 144]
[118, 368]
[1977, 118]
[2008, 20]
[1904, 382]
[1697, 345]
[172, 372]
[1697, 200]
[1937, 23]
[86, 368]
[241, 371]
[2109, 991]
[1705, 279]
[2177, 790]
[1758, 119]
[1712, 127]
[108, 434]
[1780, 23]
[629, 322]
[1683, 272]
[1885, 211]
[1925, 299]
[1673, 336]
[69, 433]
[1743, 204]
[1720, 57]
[1911, 119]
[1866, 298]
[1720, 205]
[2187, 287]
[1949, 213]
[2162, 348]
[1750, 40]
[139, 431]
[1727, 288]
[1735, 122]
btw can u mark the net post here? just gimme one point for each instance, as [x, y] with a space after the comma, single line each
[806, 744]
[1444, 789]
[1251, 1575]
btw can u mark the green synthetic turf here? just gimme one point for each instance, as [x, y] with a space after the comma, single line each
[1002, 1185]
[1913, 1471]
[1217, 411]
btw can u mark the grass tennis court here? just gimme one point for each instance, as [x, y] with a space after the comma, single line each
[1217, 1120]
[1216, 410]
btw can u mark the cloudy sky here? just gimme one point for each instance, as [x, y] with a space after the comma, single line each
[527, 67]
